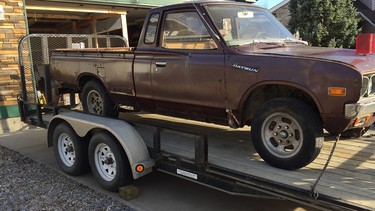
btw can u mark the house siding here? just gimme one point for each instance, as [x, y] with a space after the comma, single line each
[283, 14]
[369, 3]
[11, 30]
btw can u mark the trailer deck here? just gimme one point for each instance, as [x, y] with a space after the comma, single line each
[229, 162]
[349, 180]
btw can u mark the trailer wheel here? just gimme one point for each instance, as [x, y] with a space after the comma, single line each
[95, 100]
[108, 163]
[287, 133]
[70, 151]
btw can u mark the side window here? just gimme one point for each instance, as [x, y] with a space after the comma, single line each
[185, 30]
[151, 28]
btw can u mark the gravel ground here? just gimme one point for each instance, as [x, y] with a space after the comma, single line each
[28, 185]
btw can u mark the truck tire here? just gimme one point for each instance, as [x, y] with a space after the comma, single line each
[70, 151]
[108, 162]
[95, 100]
[287, 133]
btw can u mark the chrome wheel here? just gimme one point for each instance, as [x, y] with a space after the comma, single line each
[95, 102]
[105, 162]
[282, 135]
[66, 149]
[287, 133]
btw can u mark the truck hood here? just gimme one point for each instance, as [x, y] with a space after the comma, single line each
[364, 64]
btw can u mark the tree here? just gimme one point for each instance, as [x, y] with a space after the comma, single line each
[330, 23]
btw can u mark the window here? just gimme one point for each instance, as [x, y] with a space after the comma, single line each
[186, 30]
[151, 29]
[243, 25]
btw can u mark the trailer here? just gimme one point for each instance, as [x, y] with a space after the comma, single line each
[120, 150]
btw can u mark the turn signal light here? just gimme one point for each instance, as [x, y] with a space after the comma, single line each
[336, 91]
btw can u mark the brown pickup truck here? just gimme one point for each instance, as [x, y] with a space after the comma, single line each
[233, 64]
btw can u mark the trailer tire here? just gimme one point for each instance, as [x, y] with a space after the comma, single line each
[95, 100]
[109, 164]
[70, 150]
[287, 133]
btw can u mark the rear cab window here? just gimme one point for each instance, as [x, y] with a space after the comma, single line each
[152, 25]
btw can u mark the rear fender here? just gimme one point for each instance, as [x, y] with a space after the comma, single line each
[130, 140]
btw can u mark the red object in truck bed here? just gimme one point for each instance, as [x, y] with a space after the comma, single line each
[365, 44]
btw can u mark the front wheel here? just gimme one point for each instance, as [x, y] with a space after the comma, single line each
[108, 162]
[287, 133]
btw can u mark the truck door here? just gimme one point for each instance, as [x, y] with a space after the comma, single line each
[188, 67]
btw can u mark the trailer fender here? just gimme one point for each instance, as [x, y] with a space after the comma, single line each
[130, 140]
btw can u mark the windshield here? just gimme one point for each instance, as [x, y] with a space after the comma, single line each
[240, 25]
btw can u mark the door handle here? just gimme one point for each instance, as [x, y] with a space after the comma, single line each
[161, 63]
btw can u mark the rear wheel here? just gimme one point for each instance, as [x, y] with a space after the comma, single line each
[287, 133]
[108, 162]
[95, 100]
[70, 151]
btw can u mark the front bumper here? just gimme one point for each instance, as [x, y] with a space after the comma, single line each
[360, 109]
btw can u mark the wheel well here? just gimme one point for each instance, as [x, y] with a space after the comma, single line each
[267, 92]
[86, 78]
[51, 127]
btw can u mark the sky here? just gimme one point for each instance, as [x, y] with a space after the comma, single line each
[267, 3]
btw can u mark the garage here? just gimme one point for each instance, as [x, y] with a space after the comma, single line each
[123, 18]
[72, 17]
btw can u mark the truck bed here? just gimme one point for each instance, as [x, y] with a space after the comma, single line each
[348, 180]
[113, 67]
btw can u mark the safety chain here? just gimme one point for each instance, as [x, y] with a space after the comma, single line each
[313, 191]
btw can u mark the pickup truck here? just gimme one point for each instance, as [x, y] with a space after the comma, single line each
[232, 64]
